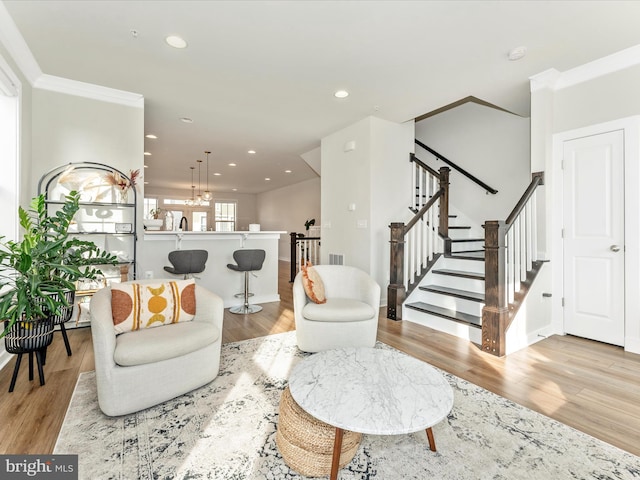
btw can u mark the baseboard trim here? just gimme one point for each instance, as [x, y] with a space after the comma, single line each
[4, 358]
[632, 344]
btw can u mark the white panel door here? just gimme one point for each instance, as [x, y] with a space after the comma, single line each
[594, 237]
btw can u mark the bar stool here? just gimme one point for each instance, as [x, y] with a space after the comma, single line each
[187, 262]
[247, 261]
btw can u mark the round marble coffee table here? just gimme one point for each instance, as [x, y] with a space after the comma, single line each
[371, 391]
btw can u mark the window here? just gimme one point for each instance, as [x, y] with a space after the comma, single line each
[10, 97]
[199, 221]
[150, 204]
[225, 216]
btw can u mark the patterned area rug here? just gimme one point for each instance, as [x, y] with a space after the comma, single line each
[226, 430]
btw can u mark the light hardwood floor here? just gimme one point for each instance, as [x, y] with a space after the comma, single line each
[591, 386]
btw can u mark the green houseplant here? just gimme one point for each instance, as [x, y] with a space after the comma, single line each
[36, 271]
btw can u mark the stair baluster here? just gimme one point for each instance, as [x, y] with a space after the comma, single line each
[510, 266]
[416, 245]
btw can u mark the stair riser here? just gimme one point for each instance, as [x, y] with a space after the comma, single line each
[451, 327]
[461, 264]
[456, 234]
[464, 246]
[448, 301]
[460, 283]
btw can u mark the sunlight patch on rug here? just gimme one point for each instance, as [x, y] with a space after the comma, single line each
[226, 430]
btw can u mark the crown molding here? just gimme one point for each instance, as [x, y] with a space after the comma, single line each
[547, 79]
[88, 90]
[13, 41]
[603, 66]
[555, 80]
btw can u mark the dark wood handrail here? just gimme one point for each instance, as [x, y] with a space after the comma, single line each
[537, 178]
[423, 210]
[423, 165]
[456, 167]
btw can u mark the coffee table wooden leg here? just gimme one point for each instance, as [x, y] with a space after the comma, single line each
[432, 442]
[337, 449]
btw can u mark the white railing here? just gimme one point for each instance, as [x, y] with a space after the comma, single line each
[422, 241]
[303, 250]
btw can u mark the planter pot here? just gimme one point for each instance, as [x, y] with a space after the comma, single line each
[153, 223]
[65, 312]
[25, 337]
[64, 316]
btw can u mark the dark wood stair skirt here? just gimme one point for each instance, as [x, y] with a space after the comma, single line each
[472, 320]
[454, 292]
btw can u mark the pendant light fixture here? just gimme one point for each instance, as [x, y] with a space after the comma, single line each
[199, 196]
[207, 193]
[191, 201]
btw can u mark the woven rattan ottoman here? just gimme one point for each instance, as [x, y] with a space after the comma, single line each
[306, 443]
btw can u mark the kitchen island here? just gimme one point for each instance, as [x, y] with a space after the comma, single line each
[155, 248]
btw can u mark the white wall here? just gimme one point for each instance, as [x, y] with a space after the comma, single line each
[391, 190]
[346, 182]
[287, 209]
[565, 106]
[605, 98]
[68, 128]
[363, 190]
[491, 145]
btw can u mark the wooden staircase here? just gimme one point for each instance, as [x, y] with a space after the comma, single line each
[453, 290]
[447, 278]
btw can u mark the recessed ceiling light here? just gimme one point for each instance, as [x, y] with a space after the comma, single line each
[267, 179]
[517, 53]
[251, 152]
[234, 189]
[176, 42]
[217, 174]
[151, 135]
[146, 183]
[148, 154]
[287, 171]
[146, 166]
[232, 164]
[186, 120]
[341, 94]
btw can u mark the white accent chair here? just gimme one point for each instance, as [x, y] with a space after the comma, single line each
[137, 370]
[349, 318]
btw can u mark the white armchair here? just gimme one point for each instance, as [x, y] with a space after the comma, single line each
[162, 362]
[349, 318]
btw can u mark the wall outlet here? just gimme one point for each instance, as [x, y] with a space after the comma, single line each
[148, 274]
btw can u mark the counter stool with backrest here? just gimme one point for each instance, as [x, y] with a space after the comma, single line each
[247, 261]
[187, 262]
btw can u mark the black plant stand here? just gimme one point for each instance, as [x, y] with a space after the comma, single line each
[62, 318]
[31, 337]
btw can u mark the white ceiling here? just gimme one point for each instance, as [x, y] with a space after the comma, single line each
[261, 74]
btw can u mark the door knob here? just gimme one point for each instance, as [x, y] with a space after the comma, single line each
[614, 248]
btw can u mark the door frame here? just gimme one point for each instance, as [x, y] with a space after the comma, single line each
[631, 148]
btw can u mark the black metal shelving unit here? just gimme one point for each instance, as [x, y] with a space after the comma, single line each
[100, 209]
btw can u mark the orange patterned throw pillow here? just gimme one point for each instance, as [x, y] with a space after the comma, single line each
[312, 283]
[135, 306]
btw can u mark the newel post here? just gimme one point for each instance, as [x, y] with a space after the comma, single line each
[396, 292]
[495, 314]
[443, 226]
